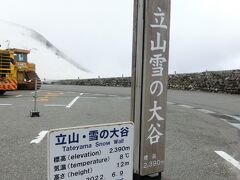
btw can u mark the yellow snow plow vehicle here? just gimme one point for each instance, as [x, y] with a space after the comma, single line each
[16, 72]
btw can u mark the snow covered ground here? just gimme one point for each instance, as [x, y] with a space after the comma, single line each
[51, 63]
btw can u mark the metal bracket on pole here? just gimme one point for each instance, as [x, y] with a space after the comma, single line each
[157, 176]
[35, 112]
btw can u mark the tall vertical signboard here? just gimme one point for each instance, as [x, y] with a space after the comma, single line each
[149, 89]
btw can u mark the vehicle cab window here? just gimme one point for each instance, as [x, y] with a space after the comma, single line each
[20, 57]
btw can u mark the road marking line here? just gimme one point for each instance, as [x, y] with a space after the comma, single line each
[224, 120]
[98, 94]
[236, 125]
[186, 106]
[234, 117]
[5, 104]
[72, 102]
[54, 105]
[206, 111]
[19, 95]
[39, 138]
[86, 93]
[228, 158]
[87, 97]
[124, 97]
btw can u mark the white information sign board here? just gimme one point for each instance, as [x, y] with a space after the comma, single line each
[102, 152]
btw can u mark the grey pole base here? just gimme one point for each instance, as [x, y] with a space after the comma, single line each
[138, 177]
[35, 114]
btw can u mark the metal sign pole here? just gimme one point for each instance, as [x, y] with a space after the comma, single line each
[149, 86]
[35, 95]
[34, 112]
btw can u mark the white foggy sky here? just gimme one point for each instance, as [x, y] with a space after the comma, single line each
[98, 33]
[205, 35]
